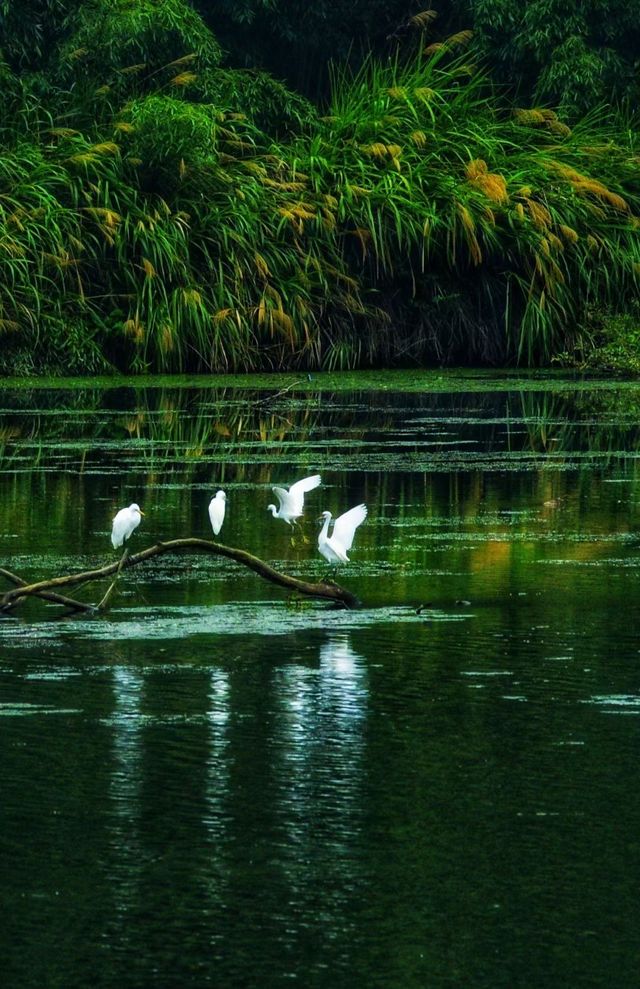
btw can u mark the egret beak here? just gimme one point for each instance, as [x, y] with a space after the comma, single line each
[141, 512]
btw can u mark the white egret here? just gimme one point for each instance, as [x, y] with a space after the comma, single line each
[335, 547]
[291, 502]
[124, 522]
[216, 511]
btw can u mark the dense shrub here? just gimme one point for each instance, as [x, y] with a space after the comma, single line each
[572, 55]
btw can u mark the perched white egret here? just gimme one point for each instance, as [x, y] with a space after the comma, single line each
[335, 547]
[124, 522]
[216, 511]
[291, 502]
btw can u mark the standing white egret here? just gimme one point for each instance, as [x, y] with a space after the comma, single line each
[216, 511]
[124, 522]
[291, 502]
[335, 547]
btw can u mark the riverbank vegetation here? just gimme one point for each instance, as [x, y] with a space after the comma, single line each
[163, 209]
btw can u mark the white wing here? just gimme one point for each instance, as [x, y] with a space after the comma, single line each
[216, 514]
[345, 526]
[298, 490]
[120, 527]
[284, 498]
[306, 484]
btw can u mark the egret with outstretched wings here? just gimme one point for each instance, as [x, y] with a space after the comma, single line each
[291, 502]
[335, 547]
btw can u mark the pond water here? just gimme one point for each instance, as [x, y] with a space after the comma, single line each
[213, 785]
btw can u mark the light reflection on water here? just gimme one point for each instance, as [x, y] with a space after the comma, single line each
[212, 787]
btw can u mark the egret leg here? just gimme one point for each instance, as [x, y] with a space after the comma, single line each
[105, 600]
[331, 573]
[294, 530]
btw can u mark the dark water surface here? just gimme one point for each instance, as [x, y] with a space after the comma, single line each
[212, 786]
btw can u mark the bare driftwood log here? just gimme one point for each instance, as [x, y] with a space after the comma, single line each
[48, 589]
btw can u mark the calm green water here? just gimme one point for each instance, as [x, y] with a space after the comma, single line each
[211, 786]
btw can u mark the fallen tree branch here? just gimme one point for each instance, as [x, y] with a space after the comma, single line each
[46, 595]
[326, 590]
[101, 606]
[271, 398]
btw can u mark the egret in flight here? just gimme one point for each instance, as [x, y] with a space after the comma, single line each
[291, 502]
[335, 547]
[124, 522]
[216, 511]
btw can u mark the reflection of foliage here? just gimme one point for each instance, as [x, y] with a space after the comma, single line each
[182, 431]
[585, 423]
[454, 470]
[172, 431]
